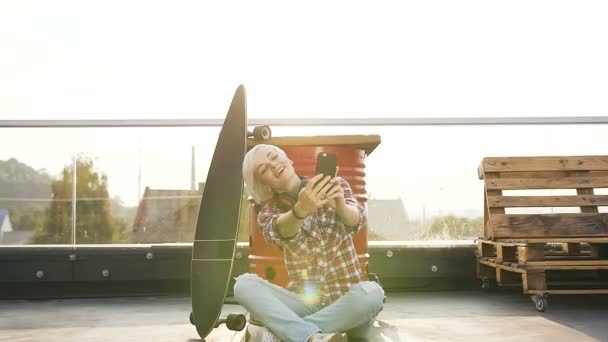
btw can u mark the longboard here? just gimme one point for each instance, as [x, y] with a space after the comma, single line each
[218, 221]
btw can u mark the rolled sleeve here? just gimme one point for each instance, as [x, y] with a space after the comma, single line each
[267, 220]
[350, 199]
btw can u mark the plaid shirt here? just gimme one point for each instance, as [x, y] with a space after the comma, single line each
[321, 260]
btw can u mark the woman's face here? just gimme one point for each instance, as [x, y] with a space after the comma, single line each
[273, 169]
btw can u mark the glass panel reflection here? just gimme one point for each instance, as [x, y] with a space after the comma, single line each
[35, 203]
[144, 185]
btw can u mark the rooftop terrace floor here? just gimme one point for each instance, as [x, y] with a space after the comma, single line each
[418, 316]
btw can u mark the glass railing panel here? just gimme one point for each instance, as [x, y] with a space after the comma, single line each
[36, 190]
[144, 184]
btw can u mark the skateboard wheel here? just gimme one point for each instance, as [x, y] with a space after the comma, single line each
[236, 322]
[261, 133]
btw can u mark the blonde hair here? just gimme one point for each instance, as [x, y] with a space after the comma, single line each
[259, 191]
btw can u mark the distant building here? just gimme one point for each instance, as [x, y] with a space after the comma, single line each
[388, 218]
[166, 216]
[8, 236]
[5, 222]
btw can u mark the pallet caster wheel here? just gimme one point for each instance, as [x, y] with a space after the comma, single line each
[540, 301]
[485, 284]
[261, 133]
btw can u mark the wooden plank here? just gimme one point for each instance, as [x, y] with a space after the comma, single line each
[598, 291]
[599, 251]
[549, 225]
[505, 278]
[558, 163]
[534, 281]
[567, 267]
[554, 264]
[485, 271]
[536, 264]
[505, 253]
[546, 183]
[502, 243]
[550, 174]
[576, 276]
[485, 249]
[526, 254]
[588, 256]
[571, 248]
[488, 262]
[547, 201]
[487, 234]
[489, 212]
[587, 239]
[589, 208]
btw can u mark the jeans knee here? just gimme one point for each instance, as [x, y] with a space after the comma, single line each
[371, 298]
[244, 285]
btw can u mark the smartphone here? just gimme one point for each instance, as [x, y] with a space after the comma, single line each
[326, 164]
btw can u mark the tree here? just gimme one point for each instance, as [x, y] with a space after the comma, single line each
[29, 218]
[451, 227]
[94, 221]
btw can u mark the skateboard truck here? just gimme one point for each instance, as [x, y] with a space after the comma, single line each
[260, 133]
[235, 322]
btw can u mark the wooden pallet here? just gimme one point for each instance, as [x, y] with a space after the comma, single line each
[533, 278]
[543, 268]
[584, 174]
[548, 250]
[524, 246]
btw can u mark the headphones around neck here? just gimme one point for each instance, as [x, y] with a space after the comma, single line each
[285, 200]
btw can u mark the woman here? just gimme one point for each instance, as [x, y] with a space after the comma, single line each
[313, 222]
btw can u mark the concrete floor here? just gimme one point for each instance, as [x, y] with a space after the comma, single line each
[429, 316]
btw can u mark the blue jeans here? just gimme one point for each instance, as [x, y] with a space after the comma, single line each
[288, 317]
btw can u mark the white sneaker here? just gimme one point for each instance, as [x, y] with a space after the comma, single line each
[334, 337]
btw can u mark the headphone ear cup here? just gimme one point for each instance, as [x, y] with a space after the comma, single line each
[286, 201]
[303, 183]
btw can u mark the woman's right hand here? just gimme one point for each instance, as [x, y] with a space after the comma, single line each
[313, 195]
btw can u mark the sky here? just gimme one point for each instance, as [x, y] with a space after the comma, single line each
[316, 59]
[166, 59]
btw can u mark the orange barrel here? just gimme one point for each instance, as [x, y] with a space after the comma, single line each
[266, 260]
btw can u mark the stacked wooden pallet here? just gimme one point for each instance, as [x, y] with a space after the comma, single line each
[560, 253]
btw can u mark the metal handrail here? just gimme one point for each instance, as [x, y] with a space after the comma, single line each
[386, 121]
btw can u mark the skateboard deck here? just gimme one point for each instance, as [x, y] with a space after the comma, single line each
[218, 219]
